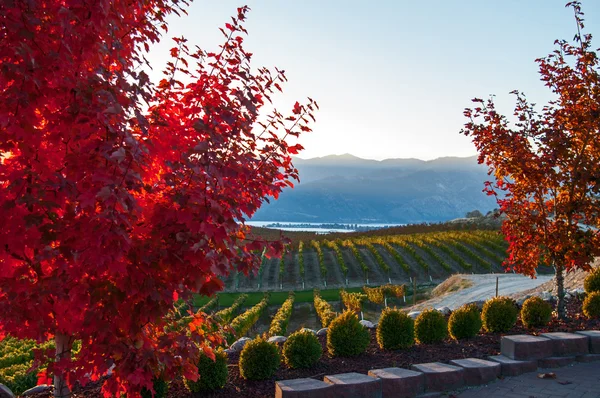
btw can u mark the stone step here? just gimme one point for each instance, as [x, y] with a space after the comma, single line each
[555, 362]
[512, 367]
[440, 376]
[568, 344]
[588, 358]
[398, 382]
[301, 388]
[594, 340]
[348, 385]
[478, 371]
[524, 347]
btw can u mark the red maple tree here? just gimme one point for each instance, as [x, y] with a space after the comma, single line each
[119, 197]
[546, 171]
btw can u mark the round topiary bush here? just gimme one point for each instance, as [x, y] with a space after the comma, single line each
[259, 360]
[302, 349]
[465, 322]
[499, 314]
[430, 327]
[212, 374]
[591, 305]
[395, 330]
[160, 389]
[536, 312]
[346, 337]
[17, 378]
[592, 281]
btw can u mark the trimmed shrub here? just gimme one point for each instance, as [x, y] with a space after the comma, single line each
[160, 389]
[465, 322]
[259, 360]
[395, 330]
[499, 314]
[536, 312]
[18, 378]
[212, 374]
[16, 360]
[591, 305]
[592, 281]
[302, 350]
[346, 337]
[430, 327]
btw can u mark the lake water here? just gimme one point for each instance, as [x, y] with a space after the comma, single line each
[320, 227]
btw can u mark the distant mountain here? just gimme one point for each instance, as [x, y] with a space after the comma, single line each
[345, 188]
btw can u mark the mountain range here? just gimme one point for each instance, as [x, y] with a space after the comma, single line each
[349, 189]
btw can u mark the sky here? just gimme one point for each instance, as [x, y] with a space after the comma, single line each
[392, 77]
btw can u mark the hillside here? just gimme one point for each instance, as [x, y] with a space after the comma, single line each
[345, 188]
[355, 260]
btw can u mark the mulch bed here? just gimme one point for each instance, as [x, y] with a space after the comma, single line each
[374, 358]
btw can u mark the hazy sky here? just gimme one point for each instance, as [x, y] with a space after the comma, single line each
[392, 77]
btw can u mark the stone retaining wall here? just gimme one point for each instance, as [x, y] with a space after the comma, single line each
[520, 354]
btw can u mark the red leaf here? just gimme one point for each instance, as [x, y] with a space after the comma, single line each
[297, 108]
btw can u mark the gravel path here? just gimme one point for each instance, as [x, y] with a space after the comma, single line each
[484, 287]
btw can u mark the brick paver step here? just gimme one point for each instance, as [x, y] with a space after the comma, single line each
[579, 380]
[512, 367]
[398, 382]
[440, 376]
[567, 344]
[555, 362]
[524, 347]
[301, 388]
[588, 358]
[594, 340]
[355, 385]
[478, 371]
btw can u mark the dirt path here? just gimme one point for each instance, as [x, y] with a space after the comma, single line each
[376, 274]
[291, 275]
[415, 271]
[270, 276]
[312, 270]
[495, 265]
[455, 267]
[436, 271]
[397, 274]
[355, 273]
[304, 316]
[335, 278]
[484, 287]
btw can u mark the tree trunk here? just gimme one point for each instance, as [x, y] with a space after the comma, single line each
[560, 291]
[63, 350]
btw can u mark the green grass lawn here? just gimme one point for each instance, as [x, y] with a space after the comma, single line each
[276, 298]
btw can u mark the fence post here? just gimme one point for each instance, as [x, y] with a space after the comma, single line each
[497, 286]
[415, 291]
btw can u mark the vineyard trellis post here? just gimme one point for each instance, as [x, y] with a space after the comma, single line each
[415, 290]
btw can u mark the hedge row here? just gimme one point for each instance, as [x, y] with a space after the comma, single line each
[227, 314]
[324, 309]
[281, 319]
[242, 323]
